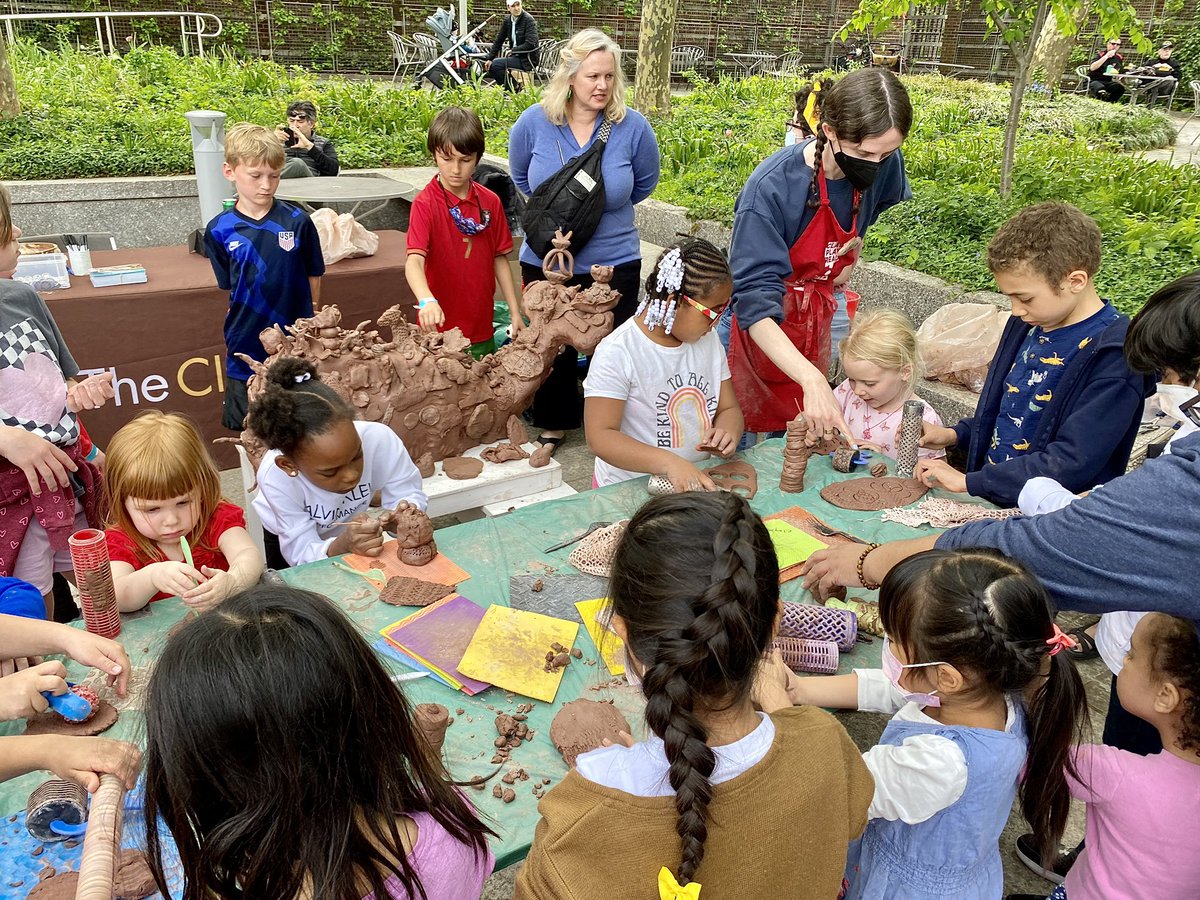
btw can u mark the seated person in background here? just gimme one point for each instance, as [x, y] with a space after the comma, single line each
[1059, 401]
[307, 153]
[1169, 73]
[520, 32]
[1103, 71]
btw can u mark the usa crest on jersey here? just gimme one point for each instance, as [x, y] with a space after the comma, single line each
[287, 240]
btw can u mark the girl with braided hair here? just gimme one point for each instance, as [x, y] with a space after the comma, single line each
[797, 229]
[973, 672]
[658, 398]
[721, 800]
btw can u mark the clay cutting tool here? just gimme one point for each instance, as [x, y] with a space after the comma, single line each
[595, 526]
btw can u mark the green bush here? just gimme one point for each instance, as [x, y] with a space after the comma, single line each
[90, 116]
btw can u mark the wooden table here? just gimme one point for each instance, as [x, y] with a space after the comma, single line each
[164, 340]
[491, 550]
[356, 189]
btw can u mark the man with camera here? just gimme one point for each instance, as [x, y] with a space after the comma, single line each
[308, 153]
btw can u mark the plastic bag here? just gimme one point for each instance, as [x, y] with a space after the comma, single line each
[958, 342]
[342, 237]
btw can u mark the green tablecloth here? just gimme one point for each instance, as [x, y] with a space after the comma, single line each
[491, 550]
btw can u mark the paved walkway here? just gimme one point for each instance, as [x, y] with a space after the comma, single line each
[1186, 150]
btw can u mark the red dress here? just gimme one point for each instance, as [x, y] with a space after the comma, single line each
[770, 399]
[122, 548]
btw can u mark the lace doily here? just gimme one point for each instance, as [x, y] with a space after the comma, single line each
[941, 512]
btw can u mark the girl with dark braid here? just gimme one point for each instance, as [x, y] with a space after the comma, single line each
[981, 693]
[721, 800]
[658, 398]
[797, 230]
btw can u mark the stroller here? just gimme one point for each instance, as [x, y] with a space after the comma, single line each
[459, 60]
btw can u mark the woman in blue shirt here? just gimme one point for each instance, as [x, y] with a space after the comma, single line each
[587, 89]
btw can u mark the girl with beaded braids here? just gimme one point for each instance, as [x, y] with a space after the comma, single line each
[658, 398]
[720, 800]
[985, 709]
[797, 230]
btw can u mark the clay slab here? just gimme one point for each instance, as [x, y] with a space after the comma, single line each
[51, 722]
[873, 494]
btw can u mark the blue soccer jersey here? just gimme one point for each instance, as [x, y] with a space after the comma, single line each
[265, 265]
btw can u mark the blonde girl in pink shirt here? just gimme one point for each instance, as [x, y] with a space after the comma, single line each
[881, 362]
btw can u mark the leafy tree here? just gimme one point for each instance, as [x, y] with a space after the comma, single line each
[652, 91]
[9, 104]
[1019, 24]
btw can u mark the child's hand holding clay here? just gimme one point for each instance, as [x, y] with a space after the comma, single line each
[363, 535]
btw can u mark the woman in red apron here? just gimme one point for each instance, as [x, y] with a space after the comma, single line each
[797, 229]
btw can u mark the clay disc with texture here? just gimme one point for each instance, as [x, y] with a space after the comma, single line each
[133, 881]
[460, 468]
[737, 476]
[582, 725]
[873, 494]
[402, 590]
[51, 722]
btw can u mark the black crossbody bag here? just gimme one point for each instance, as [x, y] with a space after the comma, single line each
[572, 199]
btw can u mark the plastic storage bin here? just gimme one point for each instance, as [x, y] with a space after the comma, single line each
[43, 271]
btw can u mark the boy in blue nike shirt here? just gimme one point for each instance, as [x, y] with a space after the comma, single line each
[265, 252]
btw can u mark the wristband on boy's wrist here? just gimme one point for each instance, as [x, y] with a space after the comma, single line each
[93, 453]
[425, 301]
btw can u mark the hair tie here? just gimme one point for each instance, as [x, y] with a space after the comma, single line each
[670, 889]
[670, 271]
[300, 379]
[1059, 639]
[810, 108]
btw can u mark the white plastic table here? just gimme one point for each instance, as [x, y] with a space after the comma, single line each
[356, 189]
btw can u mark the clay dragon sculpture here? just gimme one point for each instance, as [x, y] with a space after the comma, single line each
[424, 385]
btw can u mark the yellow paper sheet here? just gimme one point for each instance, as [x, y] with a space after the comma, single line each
[610, 646]
[509, 650]
[792, 545]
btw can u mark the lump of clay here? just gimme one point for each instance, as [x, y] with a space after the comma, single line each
[414, 533]
[432, 720]
[505, 452]
[582, 725]
[541, 456]
[462, 468]
[133, 880]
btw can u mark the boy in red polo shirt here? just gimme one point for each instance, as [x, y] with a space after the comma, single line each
[458, 239]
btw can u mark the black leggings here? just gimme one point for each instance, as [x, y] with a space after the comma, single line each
[557, 405]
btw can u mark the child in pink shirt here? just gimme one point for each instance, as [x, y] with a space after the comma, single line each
[1142, 839]
[881, 363]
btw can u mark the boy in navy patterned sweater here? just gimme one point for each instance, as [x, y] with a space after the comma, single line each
[265, 252]
[1059, 400]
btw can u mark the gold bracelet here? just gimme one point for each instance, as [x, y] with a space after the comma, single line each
[862, 559]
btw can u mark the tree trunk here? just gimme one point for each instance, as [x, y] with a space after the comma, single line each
[1054, 48]
[652, 91]
[1023, 57]
[9, 104]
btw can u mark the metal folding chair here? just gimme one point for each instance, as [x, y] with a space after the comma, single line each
[404, 55]
[686, 57]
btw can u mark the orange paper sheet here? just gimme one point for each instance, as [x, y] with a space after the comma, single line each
[440, 569]
[509, 650]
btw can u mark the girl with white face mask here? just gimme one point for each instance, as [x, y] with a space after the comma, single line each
[981, 695]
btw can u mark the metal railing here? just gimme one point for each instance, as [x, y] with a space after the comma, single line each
[106, 37]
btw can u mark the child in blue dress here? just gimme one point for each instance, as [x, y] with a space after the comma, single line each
[980, 694]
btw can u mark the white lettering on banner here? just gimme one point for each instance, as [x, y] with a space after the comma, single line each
[156, 388]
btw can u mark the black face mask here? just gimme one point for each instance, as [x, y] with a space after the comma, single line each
[859, 172]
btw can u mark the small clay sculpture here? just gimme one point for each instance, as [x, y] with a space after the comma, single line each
[873, 494]
[50, 722]
[432, 720]
[878, 469]
[401, 590]
[795, 456]
[736, 475]
[583, 725]
[414, 533]
[462, 468]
